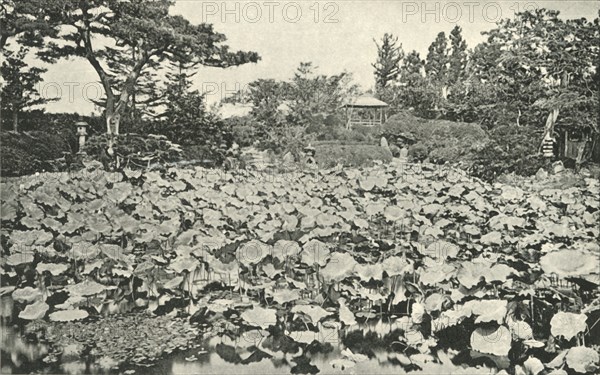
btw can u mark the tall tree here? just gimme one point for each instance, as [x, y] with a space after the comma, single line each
[416, 90]
[538, 58]
[437, 59]
[148, 93]
[389, 57]
[412, 68]
[310, 94]
[20, 89]
[266, 96]
[25, 23]
[458, 55]
[146, 26]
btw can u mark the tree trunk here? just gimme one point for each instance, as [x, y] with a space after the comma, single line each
[445, 92]
[15, 118]
[550, 121]
[128, 87]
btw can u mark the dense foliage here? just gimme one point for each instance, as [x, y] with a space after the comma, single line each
[531, 68]
[509, 151]
[134, 151]
[438, 141]
[528, 65]
[34, 151]
[19, 90]
[330, 154]
[455, 264]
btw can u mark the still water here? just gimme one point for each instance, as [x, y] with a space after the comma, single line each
[364, 349]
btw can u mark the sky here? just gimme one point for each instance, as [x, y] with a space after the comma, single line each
[335, 36]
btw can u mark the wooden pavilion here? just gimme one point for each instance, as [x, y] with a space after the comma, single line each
[365, 111]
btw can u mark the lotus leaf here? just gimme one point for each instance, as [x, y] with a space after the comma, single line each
[19, 258]
[315, 313]
[260, 317]
[315, 252]
[496, 341]
[86, 288]
[55, 269]
[339, 267]
[567, 324]
[252, 252]
[27, 294]
[582, 359]
[569, 263]
[346, 315]
[68, 315]
[282, 296]
[34, 311]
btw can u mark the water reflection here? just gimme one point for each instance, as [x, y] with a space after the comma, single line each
[19, 355]
[373, 348]
[381, 346]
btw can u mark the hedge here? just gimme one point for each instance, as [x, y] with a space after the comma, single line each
[330, 154]
[440, 141]
[135, 150]
[30, 152]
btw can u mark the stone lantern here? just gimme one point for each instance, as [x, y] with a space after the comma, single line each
[81, 132]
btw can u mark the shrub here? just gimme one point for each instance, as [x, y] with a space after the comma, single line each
[511, 149]
[330, 154]
[134, 150]
[338, 132]
[208, 155]
[442, 141]
[58, 123]
[244, 135]
[30, 152]
[418, 152]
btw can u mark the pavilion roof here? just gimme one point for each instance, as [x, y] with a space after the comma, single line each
[365, 102]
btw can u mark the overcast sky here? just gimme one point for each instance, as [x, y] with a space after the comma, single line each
[334, 35]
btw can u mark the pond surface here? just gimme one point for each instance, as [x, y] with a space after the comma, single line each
[367, 348]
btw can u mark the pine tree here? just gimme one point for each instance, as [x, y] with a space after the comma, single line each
[20, 89]
[412, 67]
[437, 59]
[389, 57]
[146, 26]
[458, 55]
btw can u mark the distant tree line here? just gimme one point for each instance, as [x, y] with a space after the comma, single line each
[532, 66]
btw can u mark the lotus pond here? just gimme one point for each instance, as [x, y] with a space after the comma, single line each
[388, 269]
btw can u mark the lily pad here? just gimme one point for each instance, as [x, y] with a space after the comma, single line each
[68, 315]
[55, 269]
[260, 317]
[315, 313]
[27, 294]
[569, 263]
[34, 311]
[491, 341]
[582, 359]
[567, 324]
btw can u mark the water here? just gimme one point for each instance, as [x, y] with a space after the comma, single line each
[258, 352]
